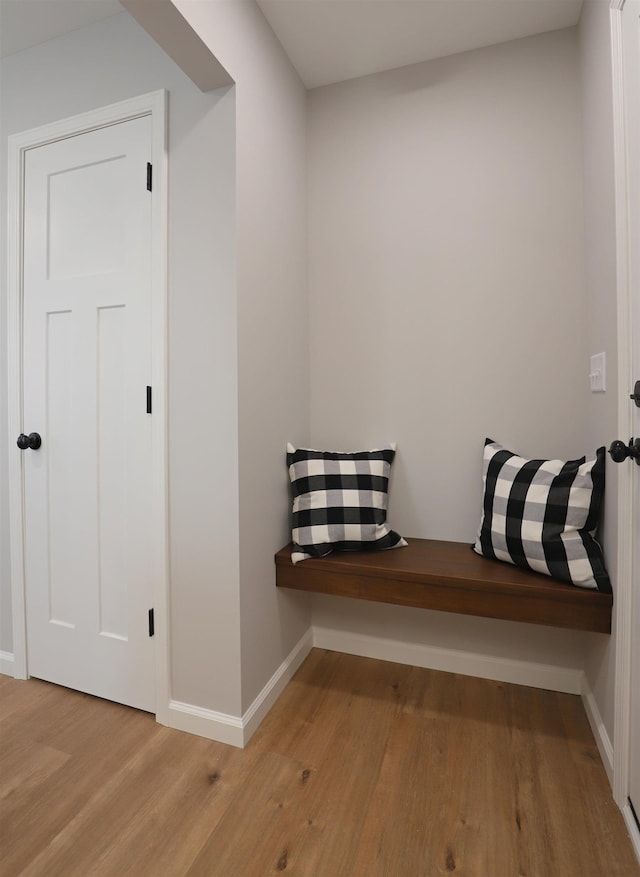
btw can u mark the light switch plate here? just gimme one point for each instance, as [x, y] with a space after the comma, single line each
[598, 373]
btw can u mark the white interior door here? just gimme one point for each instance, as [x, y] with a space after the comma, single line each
[631, 44]
[634, 735]
[87, 364]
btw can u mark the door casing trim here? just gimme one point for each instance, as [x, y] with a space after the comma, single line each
[624, 584]
[153, 104]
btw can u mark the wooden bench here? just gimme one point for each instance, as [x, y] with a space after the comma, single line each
[450, 577]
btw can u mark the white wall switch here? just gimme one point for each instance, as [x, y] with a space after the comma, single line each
[598, 373]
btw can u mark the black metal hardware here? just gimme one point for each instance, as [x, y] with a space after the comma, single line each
[619, 451]
[32, 441]
[152, 623]
[149, 176]
[636, 394]
[633, 813]
[149, 394]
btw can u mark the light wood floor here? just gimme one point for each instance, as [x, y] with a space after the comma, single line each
[362, 769]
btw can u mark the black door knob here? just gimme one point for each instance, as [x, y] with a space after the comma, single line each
[619, 451]
[32, 441]
[636, 394]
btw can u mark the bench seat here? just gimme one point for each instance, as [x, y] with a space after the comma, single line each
[450, 577]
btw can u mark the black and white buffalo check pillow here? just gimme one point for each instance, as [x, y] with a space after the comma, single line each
[340, 501]
[542, 515]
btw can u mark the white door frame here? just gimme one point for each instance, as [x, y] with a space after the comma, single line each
[624, 593]
[155, 105]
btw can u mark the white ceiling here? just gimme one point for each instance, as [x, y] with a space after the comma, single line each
[332, 40]
[26, 23]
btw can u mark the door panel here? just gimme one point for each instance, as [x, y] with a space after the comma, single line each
[83, 241]
[112, 460]
[58, 414]
[87, 362]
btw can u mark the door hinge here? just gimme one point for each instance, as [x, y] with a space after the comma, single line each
[633, 812]
[152, 623]
[149, 405]
[149, 176]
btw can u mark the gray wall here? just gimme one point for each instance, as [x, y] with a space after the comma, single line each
[600, 250]
[273, 350]
[446, 269]
[447, 292]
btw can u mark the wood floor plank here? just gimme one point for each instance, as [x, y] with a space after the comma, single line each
[175, 783]
[277, 799]
[477, 812]
[448, 777]
[315, 835]
[20, 695]
[362, 769]
[209, 780]
[347, 775]
[24, 766]
[598, 809]
[100, 740]
[404, 816]
[298, 723]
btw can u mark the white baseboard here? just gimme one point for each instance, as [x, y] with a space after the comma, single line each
[237, 730]
[632, 828]
[7, 663]
[536, 675]
[221, 727]
[603, 741]
[276, 685]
